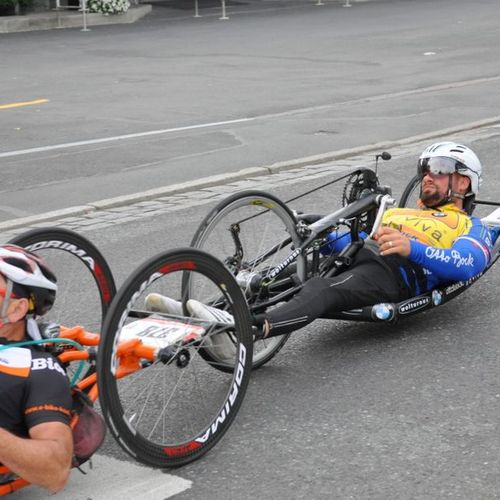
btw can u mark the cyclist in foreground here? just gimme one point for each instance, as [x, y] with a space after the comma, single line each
[413, 251]
[36, 442]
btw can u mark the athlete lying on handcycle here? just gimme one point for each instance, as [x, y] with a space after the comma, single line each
[413, 251]
[37, 404]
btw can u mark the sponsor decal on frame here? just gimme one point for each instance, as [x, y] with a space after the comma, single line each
[414, 305]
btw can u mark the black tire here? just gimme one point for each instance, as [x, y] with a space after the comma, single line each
[85, 283]
[172, 412]
[73, 258]
[411, 193]
[264, 216]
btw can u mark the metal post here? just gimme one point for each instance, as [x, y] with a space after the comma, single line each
[84, 12]
[223, 17]
[347, 4]
[196, 10]
[319, 3]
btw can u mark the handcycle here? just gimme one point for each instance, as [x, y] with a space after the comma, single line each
[164, 404]
[271, 250]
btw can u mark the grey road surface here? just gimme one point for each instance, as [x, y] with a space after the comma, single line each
[346, 410]
[165, 101]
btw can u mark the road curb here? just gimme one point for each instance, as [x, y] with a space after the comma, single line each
[246, 173]
[184, 187]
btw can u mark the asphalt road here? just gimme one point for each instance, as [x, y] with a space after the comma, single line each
[163, 101]
[345, 410]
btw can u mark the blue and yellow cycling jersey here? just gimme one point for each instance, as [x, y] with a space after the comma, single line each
[431, 226]
[446, 242]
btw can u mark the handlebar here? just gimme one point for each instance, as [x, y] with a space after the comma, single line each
[384, 202]
[364, 204]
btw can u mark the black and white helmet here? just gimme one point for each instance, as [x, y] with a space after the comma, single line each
[30, 276]
[449, 157]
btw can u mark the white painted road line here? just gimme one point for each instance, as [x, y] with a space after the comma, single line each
[44, 149]
[290, 112]
[112, 479]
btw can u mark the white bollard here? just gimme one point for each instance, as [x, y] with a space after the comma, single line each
[84, 13]
[196, 10]
[347, 4]
[223, 17]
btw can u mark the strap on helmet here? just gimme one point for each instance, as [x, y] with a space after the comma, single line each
[4, 320]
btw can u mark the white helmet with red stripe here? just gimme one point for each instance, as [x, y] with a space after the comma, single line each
[30, 276]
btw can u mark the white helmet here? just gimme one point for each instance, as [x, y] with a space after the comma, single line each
[464, 161]
[30, 277]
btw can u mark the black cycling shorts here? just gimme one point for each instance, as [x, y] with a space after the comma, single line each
[369, 280]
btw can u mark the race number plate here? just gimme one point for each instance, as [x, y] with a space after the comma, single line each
[161, 332]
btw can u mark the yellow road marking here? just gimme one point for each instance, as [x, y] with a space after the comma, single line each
[21, 104]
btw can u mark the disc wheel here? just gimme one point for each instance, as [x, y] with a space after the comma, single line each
[411, 193]
[85, 284]
[172, 409]
[251, 232]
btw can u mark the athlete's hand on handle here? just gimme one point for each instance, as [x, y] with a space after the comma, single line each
[392, 241]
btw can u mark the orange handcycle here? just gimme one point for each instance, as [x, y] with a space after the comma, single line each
[151, 373]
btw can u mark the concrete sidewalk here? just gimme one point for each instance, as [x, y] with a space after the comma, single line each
[68, 19]
[165, 9]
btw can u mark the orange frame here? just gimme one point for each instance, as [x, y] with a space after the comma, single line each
[130, 353]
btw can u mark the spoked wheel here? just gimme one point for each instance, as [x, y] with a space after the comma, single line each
[84, 280]
[411, 193]
[251, 232]
[169, 407]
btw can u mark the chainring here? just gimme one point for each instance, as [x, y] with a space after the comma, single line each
[359, 184]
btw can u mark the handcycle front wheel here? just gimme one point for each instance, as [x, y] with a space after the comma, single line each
[170, 410]
[250, 232]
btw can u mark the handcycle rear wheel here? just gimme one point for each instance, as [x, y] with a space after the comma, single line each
[411, 193]
[239, 229]
[84, 280]
[176, 408]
